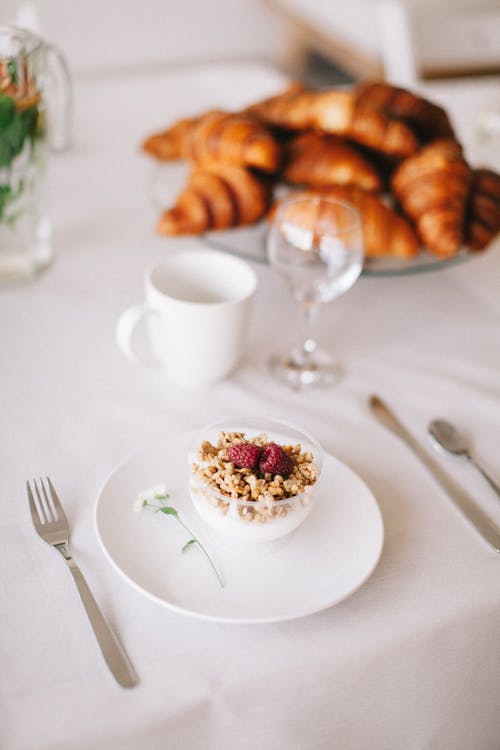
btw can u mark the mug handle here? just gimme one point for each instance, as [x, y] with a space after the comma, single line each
[125, 328]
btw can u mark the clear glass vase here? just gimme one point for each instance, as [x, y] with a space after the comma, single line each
[31, 74]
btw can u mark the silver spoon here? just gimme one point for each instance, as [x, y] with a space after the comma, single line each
[448, 437]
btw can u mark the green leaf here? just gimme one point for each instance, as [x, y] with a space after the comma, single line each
[188, 544]
[7, 110]
[12, 140]
[168, 510]
[30, 120]
[12, 69]
[5, 197]
[8, 195]
[13, 134]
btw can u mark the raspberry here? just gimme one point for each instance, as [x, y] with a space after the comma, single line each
[244, 455]
[274, 460]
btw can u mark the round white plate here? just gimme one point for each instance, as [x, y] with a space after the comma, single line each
[325, 560]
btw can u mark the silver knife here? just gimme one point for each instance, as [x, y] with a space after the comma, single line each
[472, 512]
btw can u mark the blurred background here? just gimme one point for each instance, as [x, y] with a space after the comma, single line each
[320, 41]
[447, 50]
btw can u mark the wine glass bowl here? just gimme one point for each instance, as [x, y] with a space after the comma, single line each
[315, 244]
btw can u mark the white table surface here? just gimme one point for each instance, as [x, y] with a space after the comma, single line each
[409, 661]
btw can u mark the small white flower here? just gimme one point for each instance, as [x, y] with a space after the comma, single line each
[159, 492]
[140, 502]
[149, 496]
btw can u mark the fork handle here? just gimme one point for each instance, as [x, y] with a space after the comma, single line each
[113, 653]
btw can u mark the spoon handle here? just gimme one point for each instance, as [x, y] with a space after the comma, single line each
[485, 474]
[472, 512]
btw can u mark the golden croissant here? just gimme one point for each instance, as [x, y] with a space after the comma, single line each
[483, 221]
[171, 143]
[385, 233]
[218, 197]
[433, 188]
[427, 119]
[319, 159]
[337, 112]
[218, 136]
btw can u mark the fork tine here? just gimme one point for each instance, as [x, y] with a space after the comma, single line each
[42, 512]
[35, 516]
[60, 514]
[49, 510]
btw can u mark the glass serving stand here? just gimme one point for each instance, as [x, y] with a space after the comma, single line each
[249, 242]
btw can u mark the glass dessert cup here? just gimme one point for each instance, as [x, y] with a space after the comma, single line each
[246, 525]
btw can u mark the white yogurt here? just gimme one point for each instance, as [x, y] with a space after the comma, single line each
[235, 528]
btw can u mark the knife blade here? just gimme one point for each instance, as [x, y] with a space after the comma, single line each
[465, 504]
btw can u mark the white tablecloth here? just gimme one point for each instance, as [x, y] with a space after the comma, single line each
[409, 661]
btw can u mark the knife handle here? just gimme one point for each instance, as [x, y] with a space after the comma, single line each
[472, 512]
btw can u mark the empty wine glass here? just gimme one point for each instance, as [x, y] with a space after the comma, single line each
[315, 243]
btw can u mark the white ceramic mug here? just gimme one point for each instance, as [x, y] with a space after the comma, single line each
[197, 306]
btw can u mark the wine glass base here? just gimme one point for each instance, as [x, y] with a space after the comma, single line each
[298, 372]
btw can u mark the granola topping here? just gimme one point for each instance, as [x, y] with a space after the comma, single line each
[265, 493]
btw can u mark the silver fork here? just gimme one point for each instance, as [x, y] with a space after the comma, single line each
[52, 526]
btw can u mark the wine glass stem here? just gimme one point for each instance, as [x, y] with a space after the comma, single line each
[309, 312]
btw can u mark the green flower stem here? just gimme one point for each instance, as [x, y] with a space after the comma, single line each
[200, 545]
[170, 511]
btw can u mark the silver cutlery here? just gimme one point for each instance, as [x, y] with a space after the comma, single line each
[472, 512]
[446, 436]
[52, 526]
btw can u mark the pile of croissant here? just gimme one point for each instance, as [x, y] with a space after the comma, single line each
[389, 152]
